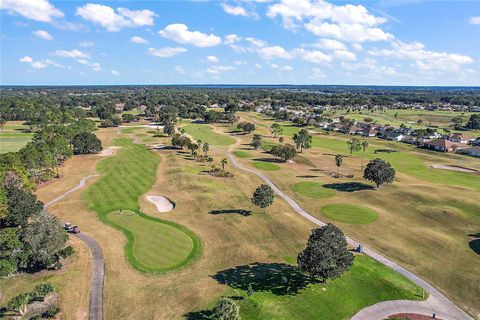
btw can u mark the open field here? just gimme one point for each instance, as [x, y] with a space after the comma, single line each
[424, 210]
[314, 190]
[349, 213]
[153, 245]
[205, 133]
[14, 136]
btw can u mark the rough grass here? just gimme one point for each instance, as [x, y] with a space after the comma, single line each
[314, 190]
[125, 177]
[366, 283]
[349, 213]
[205, 133]
[266, 166]
[242, 154]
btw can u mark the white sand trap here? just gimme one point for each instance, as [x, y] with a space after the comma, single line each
[110, 151]
[454, 168]
[163, 203]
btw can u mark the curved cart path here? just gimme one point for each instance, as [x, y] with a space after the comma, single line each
[95, 307]
[436, 303]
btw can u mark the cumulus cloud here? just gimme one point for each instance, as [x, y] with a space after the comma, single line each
[474, 20]
[86, 44]
[256, 42]
[330, 44]
[137, 39]
[353, 23]
[75, 54]
[26, 59]
[38, 10]
[180, 70]
[272, 52]
[94, 65]
[424, 59]
[212, 59]
[238, 11]
[313, 56]
[39, 64]
[215, 70]
[115, 72]
[166, 52]
[106, 16]
[179, 32]
[231, 38]
[345, 55]
[43, 34]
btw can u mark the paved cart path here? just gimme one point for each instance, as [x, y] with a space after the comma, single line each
[95, 306]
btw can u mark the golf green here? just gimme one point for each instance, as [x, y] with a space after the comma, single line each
[314, 190]
[349, 213]
[267, 166]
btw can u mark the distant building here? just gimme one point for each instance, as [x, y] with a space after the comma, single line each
[473, 152]
[444, 145]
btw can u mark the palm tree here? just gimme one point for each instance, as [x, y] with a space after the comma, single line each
[338, 161]
[223, 163]
[364, 147]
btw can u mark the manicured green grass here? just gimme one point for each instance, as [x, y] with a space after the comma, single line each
[267, 166]
[13, 141]
[205, 133]
[365, 284]
[313, 190]
[242, 154]
[349, 213]
[125, 177]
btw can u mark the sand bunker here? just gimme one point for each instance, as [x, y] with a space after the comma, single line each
[110, 151]
[454, 168]
[163, 203]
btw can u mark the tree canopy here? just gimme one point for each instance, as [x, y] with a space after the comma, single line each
[379, 171]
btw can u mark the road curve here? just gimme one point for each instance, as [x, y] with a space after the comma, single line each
[436, 303]
[95, 306]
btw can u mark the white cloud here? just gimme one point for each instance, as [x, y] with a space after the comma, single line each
[345, 55]
[43, 34]
[94, 65]
[273, 52]
[353, 23]
[330, 44]
[314, 56]
[75, 54]
[287, 68]
[86, 44]
[238, 11]
[256, 42]
[317, 74]
[26, 59]
[39, 10]
[180, 70]
[106, 16]
[240, 62]
[179, 32]
[137, 39]
[215, 70]
[115, 72]
[474, 20]
[424, 59]
[212, 59]
[231, 38]
[258, 66]
[39, 65]
[166, 52]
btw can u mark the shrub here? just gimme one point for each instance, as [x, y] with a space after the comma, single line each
[42, 290]
[66, 252]
[51, 313]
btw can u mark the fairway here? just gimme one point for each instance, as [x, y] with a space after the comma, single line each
[242, 154]
[125, 177]
[267, 166]
[157, 245]
[367, 283]
[349, 213]
[314, 190]
[205, 133]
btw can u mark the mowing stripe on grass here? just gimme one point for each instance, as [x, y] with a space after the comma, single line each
[125, 177]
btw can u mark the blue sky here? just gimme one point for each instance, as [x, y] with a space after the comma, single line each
[388, 42]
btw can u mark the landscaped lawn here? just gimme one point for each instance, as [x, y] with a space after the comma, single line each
[365, 284]
[349, 213]
[313, 190]
[242, 154]
[205, 133]
[125, 177]
[267, 166]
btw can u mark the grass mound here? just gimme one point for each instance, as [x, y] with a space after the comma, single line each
[242, 154]
[313, 190]
[366, 283]
[125, 177]
[267, 166]
[205, 133]
[349, 213]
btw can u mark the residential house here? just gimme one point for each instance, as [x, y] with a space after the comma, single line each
[369, 132]
[393, 136]
[461, 138]
[473, 152]
[444, 145]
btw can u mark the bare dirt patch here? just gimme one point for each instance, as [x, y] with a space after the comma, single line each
[162, 203]
[110, 151]
[451, 167]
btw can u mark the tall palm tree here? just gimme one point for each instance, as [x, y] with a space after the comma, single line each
[364, 147]
[223, 163]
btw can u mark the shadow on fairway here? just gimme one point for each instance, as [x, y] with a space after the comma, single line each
[268, 160]
[348, 186]
[307, 176]
[241, 212]
[277, 278]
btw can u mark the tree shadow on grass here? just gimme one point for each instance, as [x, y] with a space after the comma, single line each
[307, 176]
[475, 243]
[268, 160]
[241, 212]
[277, 278]
[206, 314]
[349, 186]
